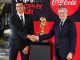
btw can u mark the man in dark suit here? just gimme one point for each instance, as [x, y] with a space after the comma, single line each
[65, 36]
[21, 25]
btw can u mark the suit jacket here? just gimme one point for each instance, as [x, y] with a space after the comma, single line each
[66, 38]
[19, 32]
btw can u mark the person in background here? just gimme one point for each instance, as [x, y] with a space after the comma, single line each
[21, 25]
[65, 36]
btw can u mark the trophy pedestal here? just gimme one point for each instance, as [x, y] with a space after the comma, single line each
[40, 52]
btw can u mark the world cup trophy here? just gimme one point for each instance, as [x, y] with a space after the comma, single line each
[42, 25]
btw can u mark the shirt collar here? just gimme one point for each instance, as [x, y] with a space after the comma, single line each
[20, 14]
[64, 20]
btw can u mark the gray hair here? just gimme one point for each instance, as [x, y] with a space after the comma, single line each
[62, 8]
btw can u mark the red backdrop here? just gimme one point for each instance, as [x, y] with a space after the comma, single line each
[47, 28]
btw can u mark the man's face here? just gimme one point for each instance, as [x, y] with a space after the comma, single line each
[62, 14]
[20, 8]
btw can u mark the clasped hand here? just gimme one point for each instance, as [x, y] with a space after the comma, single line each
[33, 38]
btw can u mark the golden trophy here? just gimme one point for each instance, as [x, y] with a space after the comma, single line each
[42, 25]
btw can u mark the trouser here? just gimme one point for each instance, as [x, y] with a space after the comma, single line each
[14, 52]
[58, 57]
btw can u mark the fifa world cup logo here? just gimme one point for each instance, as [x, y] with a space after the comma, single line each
[42, 25]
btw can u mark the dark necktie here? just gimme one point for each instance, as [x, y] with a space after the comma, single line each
[21, 19]
[61, 24]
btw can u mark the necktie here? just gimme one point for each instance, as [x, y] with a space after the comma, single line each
[61, 24]
[21, 19]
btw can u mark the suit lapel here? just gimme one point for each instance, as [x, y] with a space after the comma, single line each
[19, 21]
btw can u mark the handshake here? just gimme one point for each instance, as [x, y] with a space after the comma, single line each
[33, 38]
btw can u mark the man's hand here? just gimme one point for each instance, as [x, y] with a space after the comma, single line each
[69, 56]
[26, 50]
[33, 38]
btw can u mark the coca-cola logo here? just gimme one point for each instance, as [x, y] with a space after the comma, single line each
[71, 5]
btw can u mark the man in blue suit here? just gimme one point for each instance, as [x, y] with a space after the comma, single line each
[65, 36]
[21, 25]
